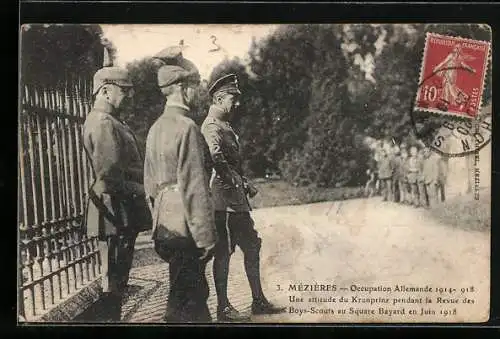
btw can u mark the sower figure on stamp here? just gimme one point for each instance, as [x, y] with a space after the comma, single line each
[177, 172]
[116, 210]
[448, 69]
[232, 209]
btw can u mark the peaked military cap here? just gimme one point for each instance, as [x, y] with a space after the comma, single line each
[175, 68]
[227, 83]
[111, 75]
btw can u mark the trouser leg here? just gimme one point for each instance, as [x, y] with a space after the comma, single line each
[188, 294]
[222, 255]
[429, 188]
[422, 194]
[402, 191]
[248, 239]
[384, 189]
[116, 258]
[414, 193]
[442, 191]
[367, 189]
[221, 273]
[390, 191]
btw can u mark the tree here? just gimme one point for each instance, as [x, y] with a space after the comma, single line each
[148, 99]
[149, 102]
[396, 75]
[331, 154]
[51, 53]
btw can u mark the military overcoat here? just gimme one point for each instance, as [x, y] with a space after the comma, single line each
[117, 166]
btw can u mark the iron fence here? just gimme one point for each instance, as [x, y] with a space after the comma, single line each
[56, 259]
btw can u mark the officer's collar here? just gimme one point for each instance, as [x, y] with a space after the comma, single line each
[173, 104]
[104, 107]
[216, 112]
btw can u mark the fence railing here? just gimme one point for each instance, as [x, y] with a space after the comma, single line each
[56, 259]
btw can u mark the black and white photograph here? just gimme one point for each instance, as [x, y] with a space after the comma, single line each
[254, 173]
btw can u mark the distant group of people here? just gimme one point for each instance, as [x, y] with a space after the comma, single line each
[409, 174]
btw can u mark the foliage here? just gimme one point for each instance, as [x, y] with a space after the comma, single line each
[52, 52]
[313, 93]
[148, 99]
[149, 102]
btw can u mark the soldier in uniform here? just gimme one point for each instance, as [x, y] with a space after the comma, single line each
[117, 199]
[232, 209]
[177, 171]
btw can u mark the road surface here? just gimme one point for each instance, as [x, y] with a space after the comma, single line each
[354, 244]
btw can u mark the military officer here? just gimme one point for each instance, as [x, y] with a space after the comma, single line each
[117, 194]
[177, 171]
[232, 209]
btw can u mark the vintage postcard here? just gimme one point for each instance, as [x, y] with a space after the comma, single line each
[305, 173]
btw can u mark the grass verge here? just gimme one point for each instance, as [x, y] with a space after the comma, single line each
[280, 193]
[465, 212]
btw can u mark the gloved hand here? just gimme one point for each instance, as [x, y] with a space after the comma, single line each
[252, 191]
[207, 253]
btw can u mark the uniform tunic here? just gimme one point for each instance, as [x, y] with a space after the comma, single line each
[386, 167]
[176, 175]
[118, 169]
[117, 165]
[413, 169]
[177, 170]
[225, 150]
[234, 224]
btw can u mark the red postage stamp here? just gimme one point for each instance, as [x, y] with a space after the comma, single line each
[452, 75]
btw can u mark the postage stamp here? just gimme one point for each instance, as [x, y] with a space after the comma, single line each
[452, 75]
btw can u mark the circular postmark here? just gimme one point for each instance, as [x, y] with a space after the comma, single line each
[447, 115]
[456, 138]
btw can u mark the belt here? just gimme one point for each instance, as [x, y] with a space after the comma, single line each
[171, 187]
[159, 193]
